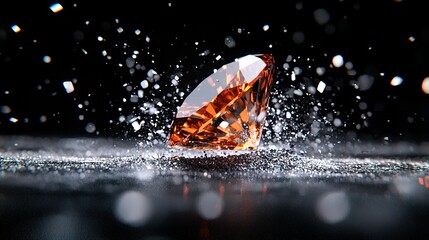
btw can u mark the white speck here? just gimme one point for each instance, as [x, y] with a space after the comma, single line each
[174, 82]
[121, 118]
[81, 117]
[338, 61]
[396, 81]
[104, 53]
[320, 71]
[134, 98]
[321, 86]
[311, 90]
[137, 32]
[156, 86]
[68, 86]
[266, 27]
[321, 16]
[14, 120]
[288, 115]
[136, 125]
[16, 28]
[218, 57]
[90, 127]
[278, 128]
[337, 122]
[5, 109]
[100, 38]
[298, 92]
[425, 85]
[120, 29]
[144, 84]
[47, 59]
[153, 111]
[147, 39]
[56, 7]
[151, 73]
[293, 76]
[210, 205]
[133, 208]
[224, 124]
[140, 93]
[84, 51]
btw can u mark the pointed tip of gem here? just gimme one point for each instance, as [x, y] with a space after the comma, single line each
[227, 110]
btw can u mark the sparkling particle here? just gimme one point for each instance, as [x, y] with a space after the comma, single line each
[396, 81]
[47, 59]
[338, 61]
[13, 120]
[144, 84]
[321, 16]
[16, 28]
[68, 86]
[337, 122]
[298, 37]
[266, 27]
[5, 109]
[137, 32]
[197, 121]
[320, 71]
[321, 87]
[90, 127]
[136, 125]
[365, 82]
[43, 118]
[411, 39]
[56, 7]
[230, 42]
[218, 57]
[425, 85]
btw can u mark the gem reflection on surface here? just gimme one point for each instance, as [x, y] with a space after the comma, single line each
[333, 207]
[133, 208]
[209, 205]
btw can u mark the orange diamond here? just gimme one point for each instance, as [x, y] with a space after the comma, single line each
[227, 110]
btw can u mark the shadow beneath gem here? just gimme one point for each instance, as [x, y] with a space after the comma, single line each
[247, 162]
[214, 163]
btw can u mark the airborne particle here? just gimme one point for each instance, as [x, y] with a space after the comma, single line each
[56, 7]
[68, 86]
[396, 81]
[338, 61]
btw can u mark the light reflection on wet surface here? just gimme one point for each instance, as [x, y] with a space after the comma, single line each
[101, 188]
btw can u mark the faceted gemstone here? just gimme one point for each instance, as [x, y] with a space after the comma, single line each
[226, 110]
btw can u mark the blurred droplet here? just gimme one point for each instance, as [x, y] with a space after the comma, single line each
[133, 208]
[333, 207]
[210, 205]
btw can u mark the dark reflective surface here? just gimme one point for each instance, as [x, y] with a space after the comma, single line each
[108, 189]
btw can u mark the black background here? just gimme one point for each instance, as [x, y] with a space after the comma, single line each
[373, 35]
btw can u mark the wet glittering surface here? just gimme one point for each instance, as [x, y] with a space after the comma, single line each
[80, 188]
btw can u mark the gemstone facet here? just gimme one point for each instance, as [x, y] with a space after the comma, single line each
[227, 110]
